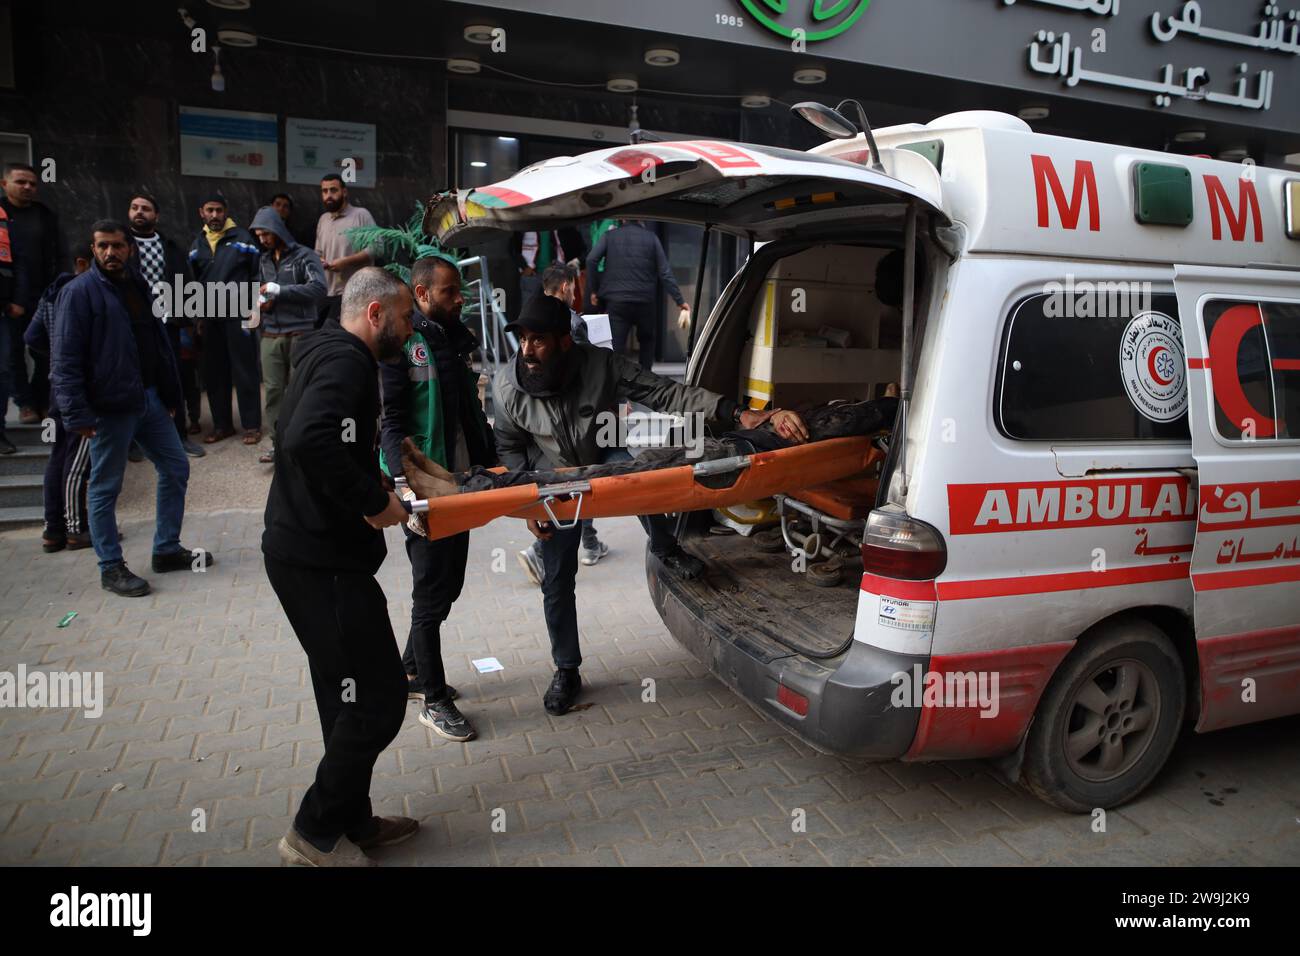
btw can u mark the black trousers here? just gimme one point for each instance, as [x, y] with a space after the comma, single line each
[341, 620]
[642, 316]
[560, 578]
[437, 576]
[67, 471]
[230, 356]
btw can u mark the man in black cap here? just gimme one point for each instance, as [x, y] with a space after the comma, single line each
[553, 380]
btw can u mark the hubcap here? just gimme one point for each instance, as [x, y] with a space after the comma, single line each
[1112, 718]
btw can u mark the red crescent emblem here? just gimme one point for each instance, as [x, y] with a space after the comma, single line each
[1151, 365]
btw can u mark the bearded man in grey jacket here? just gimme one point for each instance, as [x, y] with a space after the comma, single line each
[554, 405]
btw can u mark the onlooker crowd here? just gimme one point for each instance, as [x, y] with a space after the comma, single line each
[114, 355]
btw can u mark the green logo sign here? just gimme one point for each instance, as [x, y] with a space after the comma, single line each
[828, 18]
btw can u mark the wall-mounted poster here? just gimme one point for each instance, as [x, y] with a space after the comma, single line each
[316, 147]
[229, 144]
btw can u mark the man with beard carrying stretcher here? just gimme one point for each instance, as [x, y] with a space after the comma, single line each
[550, 405]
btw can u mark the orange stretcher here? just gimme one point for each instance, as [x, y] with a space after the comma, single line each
[659, 491]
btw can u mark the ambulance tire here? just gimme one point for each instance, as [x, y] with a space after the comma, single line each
[1131, 646]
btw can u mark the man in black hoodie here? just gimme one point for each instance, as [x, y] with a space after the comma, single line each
[322, 546]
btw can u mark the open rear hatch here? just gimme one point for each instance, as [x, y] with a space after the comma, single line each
[762, 192]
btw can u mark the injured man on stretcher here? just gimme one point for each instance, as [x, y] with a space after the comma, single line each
[429, 480]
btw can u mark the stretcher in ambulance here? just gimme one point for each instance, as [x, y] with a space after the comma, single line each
[1086, 531]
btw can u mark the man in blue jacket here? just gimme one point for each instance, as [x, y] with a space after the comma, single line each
[115, 380]
[292, 289]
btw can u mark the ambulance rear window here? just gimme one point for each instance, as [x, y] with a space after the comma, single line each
[1254, 361]
[1093, 362]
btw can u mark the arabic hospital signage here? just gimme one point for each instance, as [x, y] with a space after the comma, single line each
[316, 147]
[229, 144]
[1163, 55]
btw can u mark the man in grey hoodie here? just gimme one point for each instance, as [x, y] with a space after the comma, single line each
[293, 285]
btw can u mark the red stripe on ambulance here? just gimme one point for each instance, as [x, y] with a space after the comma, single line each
[1042, 506]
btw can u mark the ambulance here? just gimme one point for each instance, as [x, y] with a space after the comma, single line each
[1083, 534]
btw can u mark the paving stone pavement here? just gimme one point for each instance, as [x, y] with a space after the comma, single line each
[209, 718]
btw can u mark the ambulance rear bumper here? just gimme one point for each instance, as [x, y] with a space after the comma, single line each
[849, 710]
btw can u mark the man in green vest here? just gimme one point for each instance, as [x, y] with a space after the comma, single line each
[431, 396]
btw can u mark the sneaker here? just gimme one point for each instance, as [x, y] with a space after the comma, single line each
[6, 446]
[78, 542]
[181, 560]
[28, 416]
[563, 692]
[191, 449]
[445, 720]
[591, 555]
[135, 452]
[297, 851]
[119, 579]
[532, 562]
[386, 831]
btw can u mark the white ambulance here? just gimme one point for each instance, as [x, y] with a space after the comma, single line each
[1085, 532]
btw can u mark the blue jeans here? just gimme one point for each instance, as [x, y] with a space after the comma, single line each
[156, 433]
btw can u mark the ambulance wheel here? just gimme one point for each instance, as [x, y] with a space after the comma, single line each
[1108, 720]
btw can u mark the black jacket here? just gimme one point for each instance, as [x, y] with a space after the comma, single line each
[235, 259]
[176, 262]
[635, 264]
[34, 238]
[326, 472]
[37, 335]
[457, 389]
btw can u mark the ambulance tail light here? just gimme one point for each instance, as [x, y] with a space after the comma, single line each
[896, 545]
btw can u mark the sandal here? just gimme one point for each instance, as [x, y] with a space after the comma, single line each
[216, 436]
[252, 436]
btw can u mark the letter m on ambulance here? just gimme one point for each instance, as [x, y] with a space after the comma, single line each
[1069, 211]
[1221, 207]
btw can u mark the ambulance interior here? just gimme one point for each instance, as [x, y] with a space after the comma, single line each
[814, 322]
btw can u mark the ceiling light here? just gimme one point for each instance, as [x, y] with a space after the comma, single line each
[1189, 136]
[810, 75]
[464, 66]
[218, 79]
[479, 33]
[622, 84]
[755, 101]
[662, 56]
[230, 4]
[478, 164]
[1031, 114]
[1235, 154]
[238, 38]
[507, 139]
